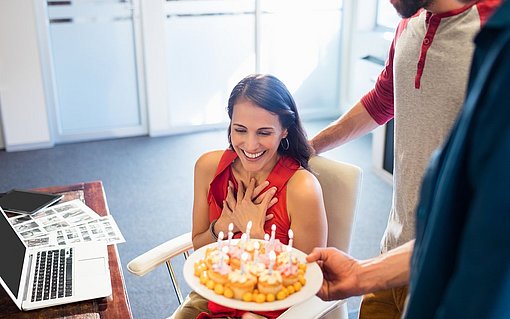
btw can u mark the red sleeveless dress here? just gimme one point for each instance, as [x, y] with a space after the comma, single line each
[279, 176]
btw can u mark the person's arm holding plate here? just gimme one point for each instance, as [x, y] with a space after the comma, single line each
[345, 276]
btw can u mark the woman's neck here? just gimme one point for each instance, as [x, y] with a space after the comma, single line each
[260, 176]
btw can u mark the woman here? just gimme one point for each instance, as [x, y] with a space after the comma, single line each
[261, 177]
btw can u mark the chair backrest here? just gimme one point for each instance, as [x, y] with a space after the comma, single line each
[341, 188]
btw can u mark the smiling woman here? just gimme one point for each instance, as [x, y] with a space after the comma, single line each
[261, 179]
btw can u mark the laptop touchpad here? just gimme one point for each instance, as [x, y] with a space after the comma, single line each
[92, 266]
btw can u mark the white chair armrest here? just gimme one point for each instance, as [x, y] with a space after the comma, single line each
[312, 308]
[158, 255]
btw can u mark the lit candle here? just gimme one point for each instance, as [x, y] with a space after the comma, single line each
[248, 229]
[230, 233]
[243, 240]
[273, 234]
[220, 238]
[272, 258]
[289, 247]
[266, 240]
[244, 258]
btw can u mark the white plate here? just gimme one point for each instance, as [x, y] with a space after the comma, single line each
[313, 277]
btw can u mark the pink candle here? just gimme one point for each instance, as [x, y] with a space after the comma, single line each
[224, 252]
[272, 258]
[243, 240]
[244, 258]
[220, 238]
[256, 246]
[289, 247]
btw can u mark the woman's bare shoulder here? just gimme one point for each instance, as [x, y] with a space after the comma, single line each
[303, 182]
[302, 176]
[208, 161]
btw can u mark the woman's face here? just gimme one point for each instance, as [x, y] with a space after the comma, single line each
[255, 135]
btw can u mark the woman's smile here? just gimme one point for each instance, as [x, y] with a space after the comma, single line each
[253, 156]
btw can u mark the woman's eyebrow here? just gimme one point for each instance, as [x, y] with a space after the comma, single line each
[258, 129]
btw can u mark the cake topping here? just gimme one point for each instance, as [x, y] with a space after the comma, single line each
[288, 270]
[256, 268]
[266, 269]
[270, 277]
[239, 276]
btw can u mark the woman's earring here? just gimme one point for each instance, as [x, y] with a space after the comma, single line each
[284, 142]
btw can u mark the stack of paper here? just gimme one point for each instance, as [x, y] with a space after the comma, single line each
[64, 224]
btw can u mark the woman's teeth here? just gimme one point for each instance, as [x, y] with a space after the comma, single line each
[253, 155]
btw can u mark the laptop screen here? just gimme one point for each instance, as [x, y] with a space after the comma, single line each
[13, 250]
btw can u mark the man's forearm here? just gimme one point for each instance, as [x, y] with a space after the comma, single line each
[353, 124]
[388, 270]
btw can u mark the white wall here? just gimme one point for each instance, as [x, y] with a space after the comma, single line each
[22, 100]
[154, 60]
[365, 40]
[23, 108]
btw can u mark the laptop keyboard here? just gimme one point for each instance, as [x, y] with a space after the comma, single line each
[53, 274]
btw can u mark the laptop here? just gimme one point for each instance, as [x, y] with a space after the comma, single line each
[44, 277]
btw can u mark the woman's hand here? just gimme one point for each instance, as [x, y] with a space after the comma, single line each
[247, 205]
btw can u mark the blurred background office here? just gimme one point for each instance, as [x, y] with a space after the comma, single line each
[138, 89]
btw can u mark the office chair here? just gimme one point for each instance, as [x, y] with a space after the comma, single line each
[341, 187]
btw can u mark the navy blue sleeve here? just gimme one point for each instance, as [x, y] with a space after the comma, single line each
[480, 285]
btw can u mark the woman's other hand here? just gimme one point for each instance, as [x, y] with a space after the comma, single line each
[247, 206]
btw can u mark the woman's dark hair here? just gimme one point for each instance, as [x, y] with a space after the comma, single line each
[269, 93]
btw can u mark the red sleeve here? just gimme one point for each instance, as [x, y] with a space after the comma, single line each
[379, 101]
[486, 8]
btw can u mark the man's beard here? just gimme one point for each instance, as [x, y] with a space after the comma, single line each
[407, 8]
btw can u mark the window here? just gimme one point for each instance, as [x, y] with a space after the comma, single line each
[387, 17]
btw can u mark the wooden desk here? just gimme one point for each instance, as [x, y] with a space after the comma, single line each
[113, 307]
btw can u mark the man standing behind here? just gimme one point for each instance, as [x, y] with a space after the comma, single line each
[422, 86]
[460, 259]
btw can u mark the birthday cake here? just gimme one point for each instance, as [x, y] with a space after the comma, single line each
[251, 269]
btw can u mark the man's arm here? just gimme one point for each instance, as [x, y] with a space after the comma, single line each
[345, 276]
[388, 270]
[353, 124]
